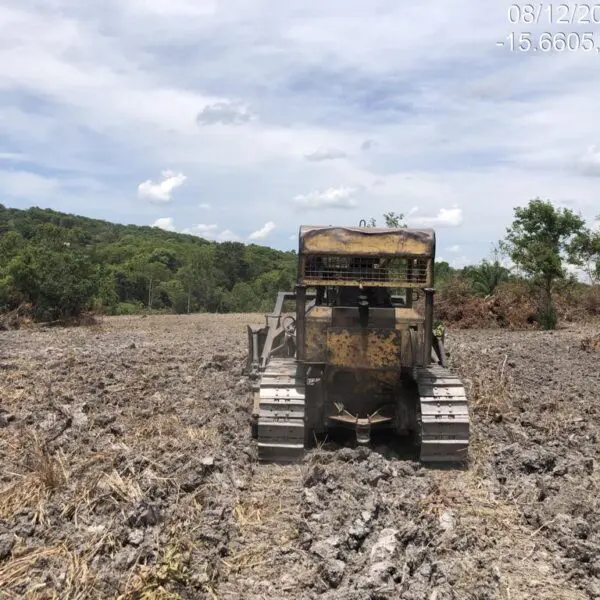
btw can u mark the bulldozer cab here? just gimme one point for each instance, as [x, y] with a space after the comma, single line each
[383, 264]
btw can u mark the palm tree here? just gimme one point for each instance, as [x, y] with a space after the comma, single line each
[486, 277]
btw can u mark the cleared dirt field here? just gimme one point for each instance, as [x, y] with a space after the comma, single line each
[127, 471]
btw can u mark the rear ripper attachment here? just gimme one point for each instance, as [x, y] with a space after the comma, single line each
[356, 353]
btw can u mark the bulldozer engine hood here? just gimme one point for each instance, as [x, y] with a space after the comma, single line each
[367, 241]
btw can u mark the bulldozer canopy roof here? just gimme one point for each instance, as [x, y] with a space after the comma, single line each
[367, 241]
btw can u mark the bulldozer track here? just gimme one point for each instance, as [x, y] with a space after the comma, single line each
[281, 412]
[444, 415]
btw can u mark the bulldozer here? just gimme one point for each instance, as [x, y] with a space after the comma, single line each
[359, 350]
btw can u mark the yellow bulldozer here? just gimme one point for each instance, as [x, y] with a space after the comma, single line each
[356, 353]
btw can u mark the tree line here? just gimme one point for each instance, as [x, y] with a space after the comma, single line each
[61, 265]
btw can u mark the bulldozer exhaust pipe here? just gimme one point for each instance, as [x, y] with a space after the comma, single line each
[300, 322]
[428, 337]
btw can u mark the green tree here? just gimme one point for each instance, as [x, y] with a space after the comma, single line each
[230, 263]
[587, 250]
[442, 271]
[59, 282]
[541, 240]
[486, 277]
[393, 219]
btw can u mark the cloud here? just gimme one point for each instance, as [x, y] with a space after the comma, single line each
[24, 184]
[263, 232]
[340, 197]
[161, 192]
[224, 113]
[455, 248]
[325, 154]
[165, 223]
[204, 205]
[12, 156]
[211, 232]
[368, 145]
[590, 162]
[228, 236]
[202, 230]
[460, 262]
[446, 217]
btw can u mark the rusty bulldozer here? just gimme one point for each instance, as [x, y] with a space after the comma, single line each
[356, 353]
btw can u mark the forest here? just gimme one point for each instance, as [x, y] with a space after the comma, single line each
[61, 265]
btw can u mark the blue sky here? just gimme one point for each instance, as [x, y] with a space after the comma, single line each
[242, 119]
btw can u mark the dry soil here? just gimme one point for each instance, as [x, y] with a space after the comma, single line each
[127, 470]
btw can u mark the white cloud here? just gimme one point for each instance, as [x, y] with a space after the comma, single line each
[455, 248]
[228, 236]
[224, 113]
[202, 230]
[162, 191]
[211, 232]
[263, 232]
[340, 197]
[460, 262]
[590, 162]
[325, 154]
[23, 184]
[12, 156]
[446, 217]
[204, 205]
[165, 223]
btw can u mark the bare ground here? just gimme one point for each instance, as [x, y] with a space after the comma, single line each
[127, 471]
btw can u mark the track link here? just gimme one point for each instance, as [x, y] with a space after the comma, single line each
[444, 415]
[281, 412]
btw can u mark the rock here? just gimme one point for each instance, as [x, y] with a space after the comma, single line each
[310, 497]
[317, 475]
[135, 537]
[447, 520]
[381, 571]
[385, 546]
[144, 516]
[375, 476]
[325, 549]
[192, 483]
[6, 419]
[7, 541]
[333, 571]
[208, 461]
[104, 420]
[538, 461]
[116, 429]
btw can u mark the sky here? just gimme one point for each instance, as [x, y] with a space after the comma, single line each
[243, 119]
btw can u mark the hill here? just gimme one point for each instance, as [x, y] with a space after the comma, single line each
[62, 264]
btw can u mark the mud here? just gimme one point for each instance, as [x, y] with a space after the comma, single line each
[128, 471]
